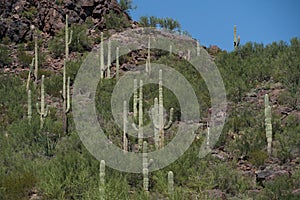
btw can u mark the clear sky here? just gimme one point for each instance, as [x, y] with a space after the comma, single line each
[212, 21]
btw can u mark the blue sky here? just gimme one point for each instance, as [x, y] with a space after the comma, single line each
[212, 21]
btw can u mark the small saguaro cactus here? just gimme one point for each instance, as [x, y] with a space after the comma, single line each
[208, 137]
[145, 167]
[68, 39]
[66, 99]
[43, 112]
[140, 111]
[236, 40]
[125, 121]
[101, 57]
[170, 184]
[29, 107]
[102, 179]
[198, 48]
[268, 123]
[158, 116]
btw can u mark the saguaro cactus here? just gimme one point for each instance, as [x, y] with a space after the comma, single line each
[208, 137]
[102, 179]
[158, 115]
[145, 167]
[236, 40]
[268, 123]
[171, 184]
[101, 57]
[43, 112]
[117, 63]
[148, 62]
[29, 107]
[66, 99]
[140, 111]
[198, 48]
[29, 74]
[68, 39]
[108, 59]
[125, 121]
[36, 61]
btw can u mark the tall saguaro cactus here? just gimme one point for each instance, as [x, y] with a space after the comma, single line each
[102, 179]
[236, 40]
[158, 116]
[108, 58]
[138, 111]
[29, 107]
[101, 57]
[125, 121]
[117, 63]
[43, 112]
[68, 39]
[36, 61]
[268, 123]
[145, 167]
[66, 99]
[148, 61]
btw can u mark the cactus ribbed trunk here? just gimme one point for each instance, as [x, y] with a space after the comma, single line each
[268, 124]
[101, 57]
[68, 39]
[43, 112]
[66, 99]
[108, 59]
[117, 63]
[102, 180]
[125, 139]
[140, 131]
[36, 61]
[145, 167]
[29, 107]
[170, 184]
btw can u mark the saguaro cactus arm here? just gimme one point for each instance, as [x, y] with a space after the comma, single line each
[68, 39]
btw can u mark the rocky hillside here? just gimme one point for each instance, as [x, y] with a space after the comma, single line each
[17, 16]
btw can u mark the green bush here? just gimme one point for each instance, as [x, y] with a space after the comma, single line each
[258, 157]
[17, 185]
[23, 57]
[116, 21]
[5, 59]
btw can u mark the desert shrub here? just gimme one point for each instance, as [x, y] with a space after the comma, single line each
[257, 157]
[288, 139]
[17, 185]
[23, 57]
[13, 97]
[116, 21]
[5, 59]
[54, 85]
[30, 13]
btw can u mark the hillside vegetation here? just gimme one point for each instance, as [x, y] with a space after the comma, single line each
[51, 162]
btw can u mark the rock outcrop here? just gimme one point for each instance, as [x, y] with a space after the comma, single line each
[17, 16]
